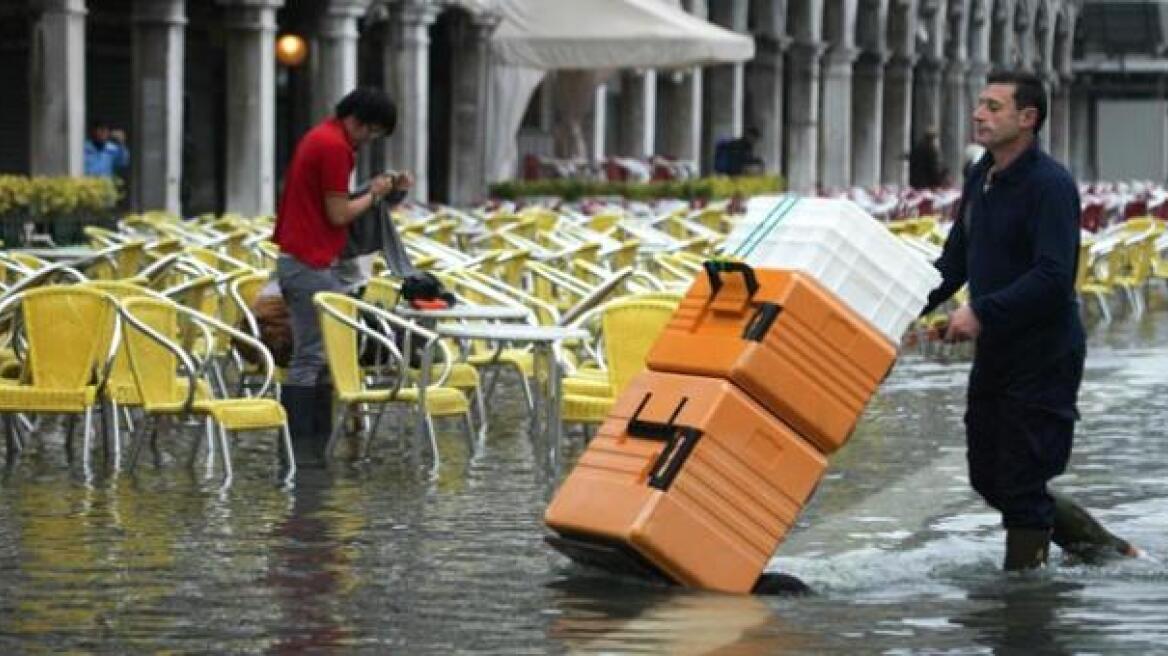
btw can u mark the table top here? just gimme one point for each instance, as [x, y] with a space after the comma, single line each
[465, 312]
[510, 332]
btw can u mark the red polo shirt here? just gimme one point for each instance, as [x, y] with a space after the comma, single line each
[322, 164]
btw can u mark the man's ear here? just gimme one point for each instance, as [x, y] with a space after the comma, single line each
[1029, 118]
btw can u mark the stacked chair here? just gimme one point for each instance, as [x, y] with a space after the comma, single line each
[706, 459]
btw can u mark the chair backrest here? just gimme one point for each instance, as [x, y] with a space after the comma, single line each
[121, 376]
[630, 326]
[69, 330]
[340, 341]
[154, 363]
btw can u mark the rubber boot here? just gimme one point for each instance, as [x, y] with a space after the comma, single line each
[1026, 548]
[299, 403]
[1082, 537]
[322, 415]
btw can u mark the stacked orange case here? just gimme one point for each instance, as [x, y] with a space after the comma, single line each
[785, 340]
[689, 479]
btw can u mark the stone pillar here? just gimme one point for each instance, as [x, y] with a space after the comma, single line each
[638, 113]
[765, 75]
[251, 105]
[835, 110]
[724, 103]
[469, 129]
[57, 89]
[679, 114]
[898, 88]
[600, 123]
[926, 96]
[333, 60]
[867, 118]
[407, 77]
[955, 118]
[803, 122]
[1060, 122]
[1052, 83]
[156, 141]
[1081, 132]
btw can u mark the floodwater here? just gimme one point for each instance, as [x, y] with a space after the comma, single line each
[387, 558]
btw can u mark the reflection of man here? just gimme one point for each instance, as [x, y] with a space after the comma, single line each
[106, 155]
[1016, 242]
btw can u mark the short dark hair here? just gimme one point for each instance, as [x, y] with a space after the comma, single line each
[98, 123]
[371, 106]
[1028, 91]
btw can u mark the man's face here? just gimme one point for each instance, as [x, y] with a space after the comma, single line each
[363, 133]
[997, 120]
[100, 134]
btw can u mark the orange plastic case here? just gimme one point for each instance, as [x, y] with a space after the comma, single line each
[689, 480]
[785, 340]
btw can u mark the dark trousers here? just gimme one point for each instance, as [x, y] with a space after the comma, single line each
[1014, 448]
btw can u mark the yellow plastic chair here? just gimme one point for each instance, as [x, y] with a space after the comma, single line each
[1140, 254]
[629, 328]
[72, 334]
[156, 355]
[1102, 270]
[341, 330]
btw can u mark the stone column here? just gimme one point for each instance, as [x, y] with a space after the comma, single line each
[156, 141]
[1052, 84]
[1081, 131]
[724, 103]
[251, 105]
[1060, 122]
[803, 122]
[955, 118]
[765, 75]
[679, 114]
[898, 87]
[927, 96]
[470, 107]
[57, 89]
[867, 118]
[638, 113]
[407, 77]
[835, 112]
[600, 123]
[333, 60]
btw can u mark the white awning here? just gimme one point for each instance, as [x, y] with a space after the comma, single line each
[611, 34]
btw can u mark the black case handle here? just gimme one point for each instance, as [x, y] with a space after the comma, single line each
[679, 442]
[714, 269]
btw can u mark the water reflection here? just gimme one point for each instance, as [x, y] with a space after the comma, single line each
[390, 556]
[1020, 615]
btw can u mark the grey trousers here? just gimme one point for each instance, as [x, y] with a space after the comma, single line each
[299, 283]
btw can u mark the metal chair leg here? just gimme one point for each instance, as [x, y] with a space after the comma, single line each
[291, 473]
[85, 439]
[338, 429]
[225, 456]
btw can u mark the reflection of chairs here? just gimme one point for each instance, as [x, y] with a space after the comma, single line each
[341, 330]
[155, 356]
[72, 334]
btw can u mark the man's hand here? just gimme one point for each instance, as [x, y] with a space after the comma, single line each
[963, 325]
[380, 186]
[402, 180]
[118, 135]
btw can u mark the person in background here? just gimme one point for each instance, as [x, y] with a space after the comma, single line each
[1016, 242]
[924, 163]
[736, 156]
[311, 230]
[106, 154]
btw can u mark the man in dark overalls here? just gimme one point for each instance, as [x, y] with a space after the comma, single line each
[1016, 242]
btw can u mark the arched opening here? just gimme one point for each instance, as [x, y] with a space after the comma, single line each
[1041, 34]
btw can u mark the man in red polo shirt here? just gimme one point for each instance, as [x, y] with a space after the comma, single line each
[311, 230]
